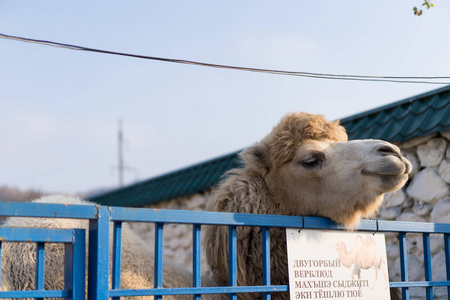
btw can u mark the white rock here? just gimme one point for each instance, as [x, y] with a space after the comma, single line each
[176, 243]
[144, 230]
[393, 254]
[441, 212]
[394, 198]
[417, 293]
[412, 157]
[391, 237]
[178, 230]
[416, 141]
[409, 202]
[185, 242]
[427, 186]
[415, 268]
[182, 256]
[394, 271]
[440, 293]
[392, 251]
[422, 209]
[438, 266]
[410, 217]
[172, 243]
[196, 202]
[432, 153]
[390, 213]
[436, 244]
[447, 155]
[411, 245]
[444, 170]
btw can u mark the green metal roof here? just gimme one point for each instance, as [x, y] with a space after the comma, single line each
[187, 181]
[400, 121]
[403, 120]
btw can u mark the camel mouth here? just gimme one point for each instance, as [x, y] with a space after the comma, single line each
[387, 173]
[394, 166]
[393, 178]
[390, 182]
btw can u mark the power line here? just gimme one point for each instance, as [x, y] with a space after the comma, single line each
[396, 79]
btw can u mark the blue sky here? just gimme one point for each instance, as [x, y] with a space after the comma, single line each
[60, 108]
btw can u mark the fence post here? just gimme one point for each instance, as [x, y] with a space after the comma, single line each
[196, 249]
[75, 265]
[266, 260]
[232, 260]
[98, 283]
[427, 264]
[40, 267]
[0, 263]
[447, 258]
[158, 283]
[403, 264]
[117, 253]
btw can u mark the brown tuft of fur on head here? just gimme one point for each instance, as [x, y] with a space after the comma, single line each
[280, 145]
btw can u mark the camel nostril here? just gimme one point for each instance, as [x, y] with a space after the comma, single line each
[387, 150]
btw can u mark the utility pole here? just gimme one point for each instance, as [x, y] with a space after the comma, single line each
[120, 152]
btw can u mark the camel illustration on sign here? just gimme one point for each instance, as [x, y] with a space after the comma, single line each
[364, 255]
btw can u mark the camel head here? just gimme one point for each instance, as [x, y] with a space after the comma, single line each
[310, 168]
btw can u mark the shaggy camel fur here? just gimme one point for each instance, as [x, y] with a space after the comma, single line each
[363, 255]
[18, 259]
[304, 166]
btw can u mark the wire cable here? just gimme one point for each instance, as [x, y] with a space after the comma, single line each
[396, 79]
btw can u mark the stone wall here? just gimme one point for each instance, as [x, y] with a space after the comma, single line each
[425, 198]
[177, 237]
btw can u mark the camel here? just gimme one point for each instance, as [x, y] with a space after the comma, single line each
[19, 259]
[363, 255]
[305, 167]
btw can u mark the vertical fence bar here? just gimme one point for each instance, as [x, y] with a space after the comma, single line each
[447, 260]
[40, 267]
[197, 258]
[75, 265]
[116, 262]
[403, 264]
[69, 265]
[232, 260]
[159, 257]
[266, 259]
[427, 264]
[98, 288]
[0, 263]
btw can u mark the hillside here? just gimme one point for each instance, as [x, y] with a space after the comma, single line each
[8, 193]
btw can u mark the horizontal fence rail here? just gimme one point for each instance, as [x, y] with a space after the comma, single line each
[48, 210]
[101, 218]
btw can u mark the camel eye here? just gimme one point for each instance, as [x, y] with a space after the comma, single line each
[312, 162]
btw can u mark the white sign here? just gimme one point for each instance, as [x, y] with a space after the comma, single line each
[337, 265]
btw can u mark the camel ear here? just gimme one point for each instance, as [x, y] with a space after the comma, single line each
[257, 157]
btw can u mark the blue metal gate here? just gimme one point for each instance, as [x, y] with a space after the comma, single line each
[74, 267]
[100, 219]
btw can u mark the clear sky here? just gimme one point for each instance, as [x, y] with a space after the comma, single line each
[59, 108]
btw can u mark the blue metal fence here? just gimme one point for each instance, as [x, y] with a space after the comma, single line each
[74, 267]
[100, 219]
